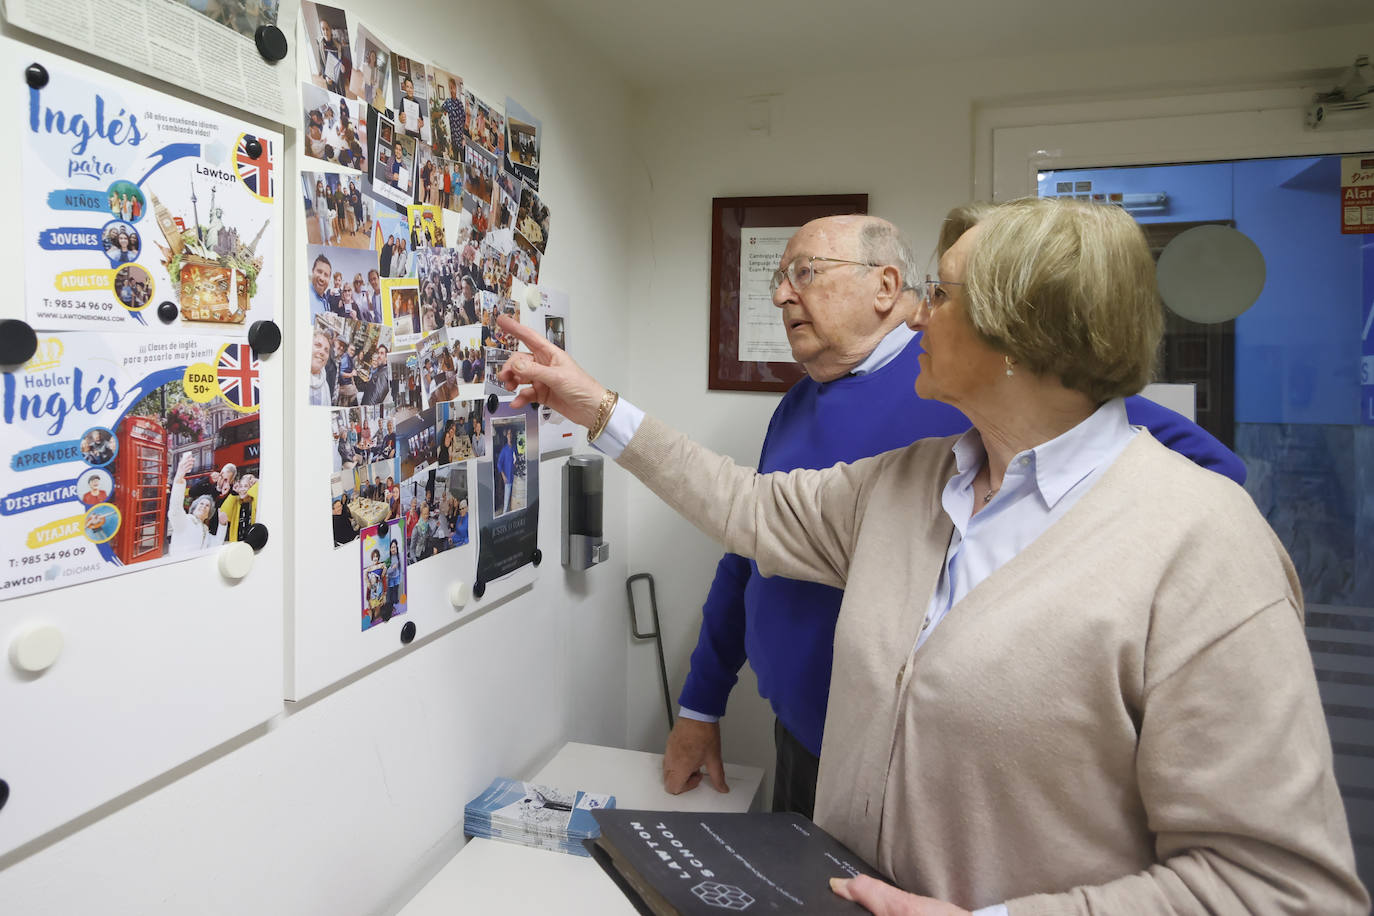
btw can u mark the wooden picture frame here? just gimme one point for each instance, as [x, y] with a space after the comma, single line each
[730, 216]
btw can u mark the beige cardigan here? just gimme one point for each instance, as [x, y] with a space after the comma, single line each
[1122, 719]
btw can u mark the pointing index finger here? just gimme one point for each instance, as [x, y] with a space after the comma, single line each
[537, 342]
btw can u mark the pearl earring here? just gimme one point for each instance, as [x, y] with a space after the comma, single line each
[1009, 365]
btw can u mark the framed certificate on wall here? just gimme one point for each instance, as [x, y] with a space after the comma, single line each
[749, 350]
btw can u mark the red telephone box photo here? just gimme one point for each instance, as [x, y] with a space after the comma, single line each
[140, 491]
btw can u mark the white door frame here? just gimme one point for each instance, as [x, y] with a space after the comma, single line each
[1012, 143]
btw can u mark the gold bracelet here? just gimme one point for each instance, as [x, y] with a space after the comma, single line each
[603, 414]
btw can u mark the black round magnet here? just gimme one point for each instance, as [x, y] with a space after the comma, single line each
[408, 633]
[264, 337]
[167, 311]
[253, 147]
[537, 557]
[18, 342]
[256, 536]
[479, 589]
[36, 75]
[493, 402]
[4, 792]
[271, 42]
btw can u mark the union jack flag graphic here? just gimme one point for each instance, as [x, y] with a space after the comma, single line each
[238, 376]
[256, 174]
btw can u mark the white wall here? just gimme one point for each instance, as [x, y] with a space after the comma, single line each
[906, 136]
[348, 803]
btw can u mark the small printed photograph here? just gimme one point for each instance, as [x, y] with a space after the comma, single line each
[456, 422]
[335, 128]
[495, 266]
[333, 289]
[465, 344]
[362, 496]
[391, 238]
[492, 335]
[468, 307]
[522, 143]
[396, 166]
[401, 309]
[133, 287]
[410, 90]
[427, 176]
[371, 83]
[331, 60]
[436, 511]
[437, 274]
[383, 572]
[127, 202]
[494, 359]
[98, 446]
[337, 212]
[392, 165]
[362, 436]
[553, 331]
[479, 176]
[415, 441]
[524, 261]
[508, 464]
[486, 126]
[95, 486]
[122, 243]
[406, 391]
[447, 114]
[426, 226]
[438, 369]
[504, 207]
[243, 16]
[357, 370]
[446, 499]
[532, 222]
[451, 183]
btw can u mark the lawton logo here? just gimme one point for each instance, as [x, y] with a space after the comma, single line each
[723, 896]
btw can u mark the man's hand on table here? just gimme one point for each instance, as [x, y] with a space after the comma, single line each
[692, 745]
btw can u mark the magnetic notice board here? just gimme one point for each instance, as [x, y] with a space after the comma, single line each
[730, 217]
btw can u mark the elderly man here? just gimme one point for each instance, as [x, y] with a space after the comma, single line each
[845, 291]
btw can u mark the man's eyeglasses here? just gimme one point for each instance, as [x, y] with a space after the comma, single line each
[932, 293]
[801, 271]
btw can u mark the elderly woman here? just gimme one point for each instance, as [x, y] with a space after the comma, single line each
[1070, 670]
[190, 529]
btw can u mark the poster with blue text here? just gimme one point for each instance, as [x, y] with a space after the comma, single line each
[143, 212]
[124, 451]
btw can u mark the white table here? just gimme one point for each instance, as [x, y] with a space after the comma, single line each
[488, 876]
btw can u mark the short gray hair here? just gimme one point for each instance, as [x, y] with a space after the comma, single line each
[205, 498]
[880, 242]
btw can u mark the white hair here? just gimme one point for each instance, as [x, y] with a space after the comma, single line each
[880, 242]
[208, 500]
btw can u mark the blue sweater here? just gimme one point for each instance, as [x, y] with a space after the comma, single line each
[786, 628]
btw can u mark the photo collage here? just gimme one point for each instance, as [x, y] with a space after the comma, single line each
[413, 242]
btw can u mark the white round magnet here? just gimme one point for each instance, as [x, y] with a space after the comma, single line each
[459, 594]
[532, 298]
[235, 560]
[35, 647]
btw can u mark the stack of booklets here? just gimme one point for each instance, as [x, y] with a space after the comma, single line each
[534, 815]
[679, 863]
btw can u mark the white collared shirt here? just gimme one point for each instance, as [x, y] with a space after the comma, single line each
[1039, 486]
